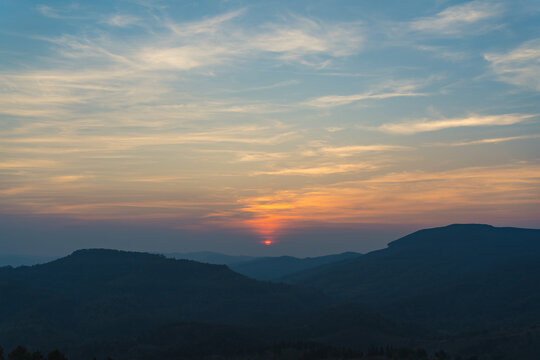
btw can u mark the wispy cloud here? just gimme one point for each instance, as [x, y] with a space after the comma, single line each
[220, 39]
[333, 129]
[340, 100]
[442, 52]
[319, 170]
[239, 134]
[47, 11]
[457, 19]
[125, 72]
[520, 67]
[122, 20]
[385, 90]
[417, 126]
[492, 140]
[26, 164]
[69, 178]
[59, 12]
[307, 36]
[344, 151]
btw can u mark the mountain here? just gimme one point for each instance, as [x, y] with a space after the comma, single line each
[467, 289]
[263, 268]
[92, 295]
[210, 257]
[23, 260]
[453, 278]
[275, 268]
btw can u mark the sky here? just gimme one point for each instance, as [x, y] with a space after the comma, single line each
[264, 127]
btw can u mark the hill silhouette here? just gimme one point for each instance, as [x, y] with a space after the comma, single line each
[468, 289]
[23, 260]
[269, 268]
[93, 294]
[458, 277]
[275, 268]
[211, 257]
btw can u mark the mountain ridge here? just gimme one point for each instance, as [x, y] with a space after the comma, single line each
[455, 262]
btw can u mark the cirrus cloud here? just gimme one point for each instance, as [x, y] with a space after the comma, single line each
[418, 126]
[520, 67]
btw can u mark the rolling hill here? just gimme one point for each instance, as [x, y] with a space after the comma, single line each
[469, 289]
[210, 257]
[269, 268]
[459, 277]
[275, 268]
[94, 294]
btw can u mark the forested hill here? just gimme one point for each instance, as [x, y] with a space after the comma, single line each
[276, 268]
[467, 289]
[455, 277]
[95, 293]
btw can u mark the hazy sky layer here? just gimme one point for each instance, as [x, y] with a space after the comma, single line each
[313, 125]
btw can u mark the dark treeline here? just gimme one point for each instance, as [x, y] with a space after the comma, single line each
[22, 353]
[285, 350]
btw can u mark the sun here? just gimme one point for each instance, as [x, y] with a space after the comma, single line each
[267, 242]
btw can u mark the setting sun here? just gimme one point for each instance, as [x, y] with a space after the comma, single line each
[254, 179]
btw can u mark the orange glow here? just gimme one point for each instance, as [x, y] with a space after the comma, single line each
[266, 227]
[395, 197]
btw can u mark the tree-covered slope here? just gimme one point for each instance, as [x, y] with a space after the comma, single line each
[454, 277]
[275, 268]
[92, 294]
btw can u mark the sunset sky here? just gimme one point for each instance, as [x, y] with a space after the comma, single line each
[316, 126]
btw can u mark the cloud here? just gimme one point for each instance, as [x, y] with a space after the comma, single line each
[68, 178]
[264, 87]
[113, 71]
[239, 134]
[243, 156]
[385, 90]
[457, 19]
[520, 67]
[122, 20]
[26, 164]
[65, 12]
[212, 25]
[319, 170]
[48, 11]
[306, 36]
[340, 100]
[333, 129]
[343, 151]
[493, 140]
[413, 127]
[184, 57]
[443, 53]
[216, 40]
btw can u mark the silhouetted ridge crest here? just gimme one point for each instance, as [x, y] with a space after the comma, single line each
[469, 235]
[276, 268]
[100, 292]
[454, 277]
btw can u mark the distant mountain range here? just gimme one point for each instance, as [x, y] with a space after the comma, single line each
[468, 289]
[260, 268]
[210, 257]
[264, 268]
[23, 260]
